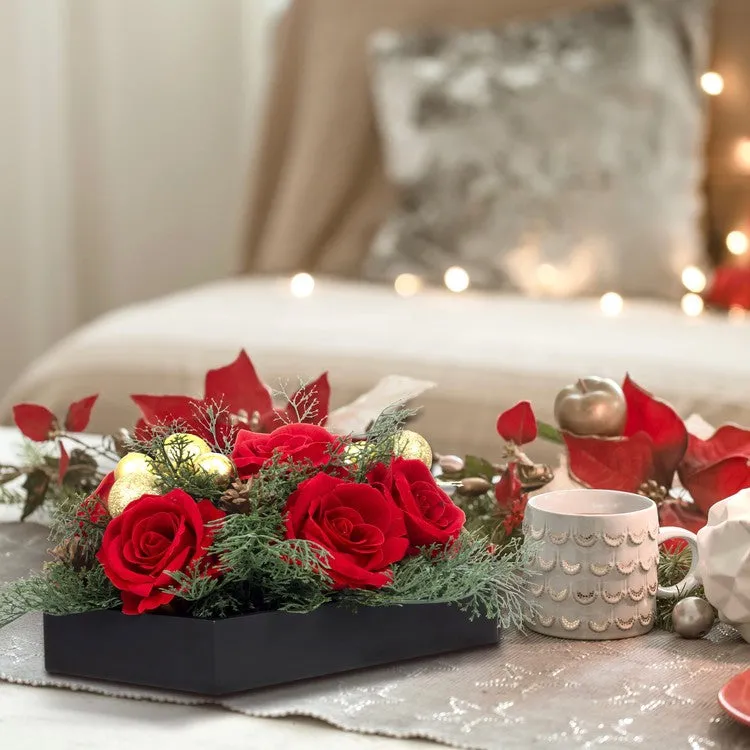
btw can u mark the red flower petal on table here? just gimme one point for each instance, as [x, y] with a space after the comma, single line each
[238, 387]
[716, 468]
[518, 424]
[35, 421]
[509, 489]
[663, 426]
[79, 414]
[62, 468]
[610, 463]
[311, 402]
[685, 515]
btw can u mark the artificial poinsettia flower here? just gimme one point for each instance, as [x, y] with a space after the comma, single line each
[246, 402]
[717, 468]
[38, 423]
[730, 287]
[651, 447]
[518, 424]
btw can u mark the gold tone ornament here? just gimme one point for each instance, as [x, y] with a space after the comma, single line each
[184, 446]
[592, 406]
[410, 444]
[132, 463]
[217, 465]
[354, 452]
[130, 488]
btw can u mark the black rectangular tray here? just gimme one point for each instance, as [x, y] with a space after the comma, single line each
[219, 657]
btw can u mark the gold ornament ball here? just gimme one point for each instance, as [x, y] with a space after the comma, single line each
[410, 444]
[217, 465]
[130, 488]
[132, 463]
[693, 617]
[183, 445]
[355, 452]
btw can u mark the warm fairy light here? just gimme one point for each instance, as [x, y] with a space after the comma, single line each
[302, 285]
[712, 83]
[547, 275]
[693, 279]
[611, 304]
[742, 154]
[456, 279]
[737, 242]
[407, 284]
[692, 304]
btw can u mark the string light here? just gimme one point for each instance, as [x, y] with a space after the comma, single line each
[692, 304]
[737, 313]
[712, 83]
[611, 304]
[693, 279]
[737, 242]
[456, 279]
[407, 284]
[302, 285]
[742, 154]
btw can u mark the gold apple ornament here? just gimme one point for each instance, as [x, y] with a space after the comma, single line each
[592, 406]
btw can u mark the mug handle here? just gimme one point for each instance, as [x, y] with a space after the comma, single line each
[690, 581]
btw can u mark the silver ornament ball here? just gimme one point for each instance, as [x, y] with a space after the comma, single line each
[692, 617]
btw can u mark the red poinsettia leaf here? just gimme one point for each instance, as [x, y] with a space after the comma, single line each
[309, 404]
[164, 410]
[518, 424]
[62, 468]
[661, 423]
[716, 468]
[238, 387]
[509, 489]
[35, 422]
[610, 463]
[717, 481]
[685, 515]
[79, 414]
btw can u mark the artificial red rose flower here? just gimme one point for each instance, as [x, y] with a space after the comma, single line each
[153, 535]
[306, 443]
[362, 530]
[730, 287]
[518, 424]
[651, 447]
[237, 388]
[431, 516]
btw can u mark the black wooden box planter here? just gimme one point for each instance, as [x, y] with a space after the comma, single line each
[218, 657]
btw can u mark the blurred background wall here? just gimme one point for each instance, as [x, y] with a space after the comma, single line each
[126, 129]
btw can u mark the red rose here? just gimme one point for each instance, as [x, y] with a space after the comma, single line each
[362, 530]
[292, 442]
[153, 535]
[431, 516]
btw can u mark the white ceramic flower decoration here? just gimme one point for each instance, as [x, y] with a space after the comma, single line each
[724, 566]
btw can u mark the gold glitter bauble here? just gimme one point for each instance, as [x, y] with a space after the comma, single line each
[182, 446]
[129, 488]
[355, 452]
[217, 465]
[410, 444]
[132, 463]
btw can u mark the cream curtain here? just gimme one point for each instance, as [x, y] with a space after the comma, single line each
[125, 136]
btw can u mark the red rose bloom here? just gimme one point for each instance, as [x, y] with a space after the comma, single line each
[292, 442]
[431, 516]
[362, 530]
[153, 535]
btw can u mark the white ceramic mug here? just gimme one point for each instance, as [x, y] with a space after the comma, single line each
[595, 567]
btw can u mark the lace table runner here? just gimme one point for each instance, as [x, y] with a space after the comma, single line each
[529, 691]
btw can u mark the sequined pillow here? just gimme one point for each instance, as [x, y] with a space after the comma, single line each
[557, 158]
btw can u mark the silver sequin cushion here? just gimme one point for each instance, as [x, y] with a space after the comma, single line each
[557, 158]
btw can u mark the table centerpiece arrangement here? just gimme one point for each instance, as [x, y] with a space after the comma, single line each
[247, 534]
